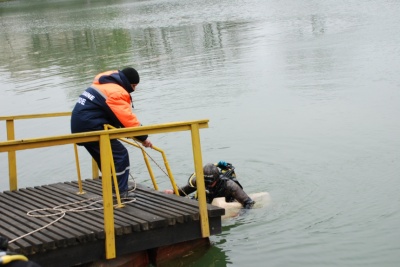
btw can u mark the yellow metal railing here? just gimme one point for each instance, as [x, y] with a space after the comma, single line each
[12, 159]
[146, 159]
[104, 137]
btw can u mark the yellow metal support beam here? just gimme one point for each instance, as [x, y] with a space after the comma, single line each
[105, 155]
[201, 189]
[95, 170]
[34, 116]
[94, 136]
[171, 177]
[114, 175]
[12, 157]
[78, 170]
[146, 160]
[149, 169]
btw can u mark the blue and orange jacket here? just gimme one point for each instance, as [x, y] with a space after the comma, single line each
[106, 101]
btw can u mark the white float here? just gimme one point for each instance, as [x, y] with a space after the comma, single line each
[232, 209]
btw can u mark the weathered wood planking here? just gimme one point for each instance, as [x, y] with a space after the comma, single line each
[153, 220]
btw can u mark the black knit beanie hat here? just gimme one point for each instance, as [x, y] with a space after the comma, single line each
[132, 75]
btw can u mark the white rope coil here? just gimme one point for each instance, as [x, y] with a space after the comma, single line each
[63, 209]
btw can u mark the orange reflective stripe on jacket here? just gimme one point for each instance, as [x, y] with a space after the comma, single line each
[118, 100]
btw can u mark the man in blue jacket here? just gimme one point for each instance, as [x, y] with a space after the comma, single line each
[108, 101]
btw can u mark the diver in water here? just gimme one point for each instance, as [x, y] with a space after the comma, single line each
[220, 181]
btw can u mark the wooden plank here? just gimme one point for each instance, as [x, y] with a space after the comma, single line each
[93, 218]
[44, 197]
[131, 212]
[83, 235]
[17, 222]
[191, 211]
[188, 204]
[77, 228]
[8, 230]
[127, 224]
[180, 206]
[213, 211]
[180, 211]
[120, 216]
[17, 212]
[48, 192]
[155, 218]
[137, 226]
[166, 207]
[159, 197]
[169, 215]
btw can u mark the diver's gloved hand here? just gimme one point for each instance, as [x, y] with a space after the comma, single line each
[249, 203]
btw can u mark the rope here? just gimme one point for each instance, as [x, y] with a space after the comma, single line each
[63, 209]
[62, 212]
[166, 174]
[152, 159]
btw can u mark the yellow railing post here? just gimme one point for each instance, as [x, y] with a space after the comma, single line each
[171, 177]
[105, 155]
[149, 169]
[201, 189]
[146, 160]
[114, 175]
[78, 170]
[95, 169]
[12, 157]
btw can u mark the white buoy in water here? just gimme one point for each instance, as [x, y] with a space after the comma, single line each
[232, 209]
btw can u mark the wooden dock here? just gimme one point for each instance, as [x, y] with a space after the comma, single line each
[152, 220]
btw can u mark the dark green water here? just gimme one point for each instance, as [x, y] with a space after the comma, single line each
[303, 98]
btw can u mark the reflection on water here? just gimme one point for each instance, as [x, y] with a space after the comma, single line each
[212, 256]
[302, 98]
[75, 51]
